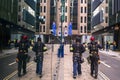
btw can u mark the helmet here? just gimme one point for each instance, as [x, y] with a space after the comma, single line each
[24, 37]
[39, 39]
[92, 38]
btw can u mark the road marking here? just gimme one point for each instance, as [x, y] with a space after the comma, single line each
[15, 72]
[12, 63]
[103, 76]
[105, 64]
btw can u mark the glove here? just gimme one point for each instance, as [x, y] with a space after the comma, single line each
[98, 61]
[17, 59]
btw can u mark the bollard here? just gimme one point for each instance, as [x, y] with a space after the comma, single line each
[62, 50]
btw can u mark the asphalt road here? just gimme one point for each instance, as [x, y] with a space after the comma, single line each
[8, 64]
[5, 68]
[110, 66]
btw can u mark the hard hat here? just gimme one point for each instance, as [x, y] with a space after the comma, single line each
[24, 37]
[39, 39]
[92, 38]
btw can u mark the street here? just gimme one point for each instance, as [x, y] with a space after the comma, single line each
[108, 69]
[110, 66]
[8, 64]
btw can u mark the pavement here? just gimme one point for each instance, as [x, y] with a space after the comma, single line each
[55, 68]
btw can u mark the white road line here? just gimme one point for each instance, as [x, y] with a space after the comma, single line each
[12, 63]
[103, 76]
[105, 64]
[15, 72]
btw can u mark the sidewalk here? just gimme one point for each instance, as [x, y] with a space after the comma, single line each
[61, 69]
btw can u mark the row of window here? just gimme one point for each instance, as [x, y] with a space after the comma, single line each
[43, 10]
[42, 0]
[83, 28]
[42, 28]
[85, 9]
[83, 1]
[85, 19]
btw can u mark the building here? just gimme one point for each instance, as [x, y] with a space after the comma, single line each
[100, 20]
[75, 12]
[44, 29]
[114, 21]
[8, 20]
[26, 18]
[15, 20]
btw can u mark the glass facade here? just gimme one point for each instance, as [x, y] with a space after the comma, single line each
[8, 10]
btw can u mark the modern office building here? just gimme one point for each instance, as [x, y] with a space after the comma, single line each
[114, 21]
[8, 20]
[100, 20]
[26, 18]
[14, 15]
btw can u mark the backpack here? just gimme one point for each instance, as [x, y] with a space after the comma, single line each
[23, 47]
[94, 49]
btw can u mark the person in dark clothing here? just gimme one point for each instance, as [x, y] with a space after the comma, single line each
[39, 48]
[94, 56]
[77, 49]
[22, 55]
[16, 43]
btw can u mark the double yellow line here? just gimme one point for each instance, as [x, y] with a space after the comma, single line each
[15, 72]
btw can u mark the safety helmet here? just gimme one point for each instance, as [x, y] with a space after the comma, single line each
[39, 39]
[92, 38]
[24, 37]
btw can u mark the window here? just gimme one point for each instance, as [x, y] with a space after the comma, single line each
[106, 1]
[40, 8]
[81, 9]
[85, 1]
[66, 9]
[40, 29]
[106, 19]
[84, 29]
[65, 18]
[85, 19]
[81, 29]
[44, 1]
[85, 10]
[43, 28]
[44, 8]
[81, 1]
[106, 10]
[81, 19]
